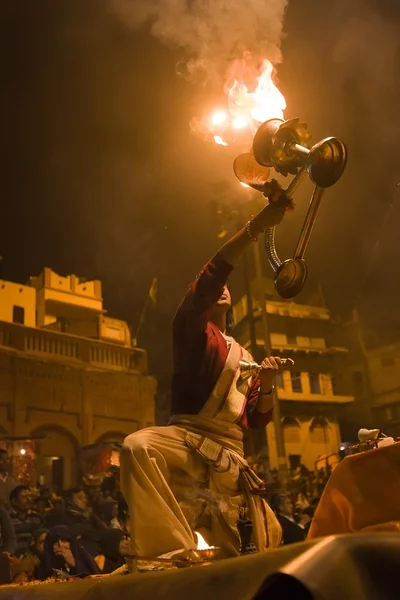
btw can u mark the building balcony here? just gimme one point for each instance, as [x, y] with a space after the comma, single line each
[305, 349]
[64, 348]
[302, 346]
[283, 309]
[329, 398]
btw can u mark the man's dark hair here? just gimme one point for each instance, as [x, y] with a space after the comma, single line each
[277, 501]
[14, 495]
[230, 323]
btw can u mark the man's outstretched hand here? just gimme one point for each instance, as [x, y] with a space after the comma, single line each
[270, 367]
[272, 214]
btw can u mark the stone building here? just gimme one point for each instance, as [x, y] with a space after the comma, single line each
[68, 372]
[374, 372]
[310, 395]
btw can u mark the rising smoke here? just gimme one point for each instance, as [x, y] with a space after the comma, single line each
[211, 32]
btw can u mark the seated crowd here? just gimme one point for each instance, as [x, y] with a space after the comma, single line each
[82, 531]
[85, 530]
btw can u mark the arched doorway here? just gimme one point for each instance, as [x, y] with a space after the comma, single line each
[108, 450]
[320, 437]
[56, 456]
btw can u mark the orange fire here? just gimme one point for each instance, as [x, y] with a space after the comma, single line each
[252, 99]
[201, 542]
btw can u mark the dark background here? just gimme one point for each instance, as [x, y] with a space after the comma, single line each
[101, 177]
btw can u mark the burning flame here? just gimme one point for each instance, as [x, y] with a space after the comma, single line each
[218, 140]
[201, 542]
[252, 99]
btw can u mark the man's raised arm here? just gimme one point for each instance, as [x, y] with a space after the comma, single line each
[206, 290]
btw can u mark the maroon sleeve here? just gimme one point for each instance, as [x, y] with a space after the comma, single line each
[255, 419]
[193, 312]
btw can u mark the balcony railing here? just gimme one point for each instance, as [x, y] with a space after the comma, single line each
[69, 348]
[284, 394]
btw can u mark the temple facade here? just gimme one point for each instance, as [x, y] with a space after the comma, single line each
[69, 376]
[310, 395]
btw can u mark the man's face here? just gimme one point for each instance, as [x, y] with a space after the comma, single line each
[225, 299]
[92, 492]
[286, 506]
[124, 546]
[40, 544]
[24, 500]
[80, 499]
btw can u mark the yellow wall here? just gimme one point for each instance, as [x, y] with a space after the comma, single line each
[302, 440]
[55, 292]
[115, 330]
[384, 369]
[15, 294]
[51, 280]
[57, 388]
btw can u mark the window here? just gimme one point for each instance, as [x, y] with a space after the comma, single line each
[387, 361]
[315, 385]
[291, 340]
[296, 381]
[18, 314]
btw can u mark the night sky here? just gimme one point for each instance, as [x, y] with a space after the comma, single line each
[101, 176]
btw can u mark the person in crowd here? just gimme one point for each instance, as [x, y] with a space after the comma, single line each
[7, 481]
[90, 540]
[44, 503]
[109, 513]
[114, 544]
[7, 535]
[23, 519]
[122, 521]
[26, 568]
[302, 501]
[292, 532]
[110, 488]
[63, 552]
[92, 488]
[76, 516]
[305, 519]
[36, 549]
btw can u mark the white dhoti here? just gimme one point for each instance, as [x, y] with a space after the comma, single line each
[191, 475]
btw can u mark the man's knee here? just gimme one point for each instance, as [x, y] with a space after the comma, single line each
[138, 442]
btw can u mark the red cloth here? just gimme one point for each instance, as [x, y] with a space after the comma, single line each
[200, 350]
